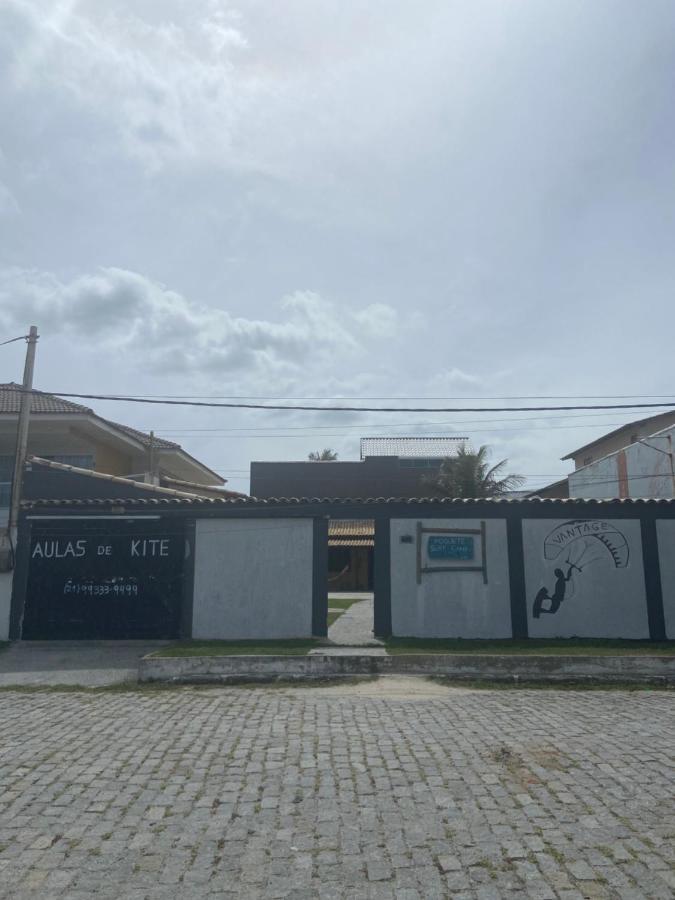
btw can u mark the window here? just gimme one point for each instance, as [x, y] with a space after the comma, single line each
[634, 438]
[587, 460]
[6, 475]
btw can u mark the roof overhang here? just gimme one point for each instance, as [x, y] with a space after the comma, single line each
[90, 425]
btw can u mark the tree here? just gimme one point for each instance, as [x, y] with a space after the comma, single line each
[322, 455]
[469, 474]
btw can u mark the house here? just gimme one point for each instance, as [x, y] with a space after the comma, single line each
[389, 467]
[621, 463]
[642, 468]
[620, 438]
[74, 435]
[351, 544]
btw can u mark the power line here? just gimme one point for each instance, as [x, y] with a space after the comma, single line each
[617, 480]
[484, 397]
[318, 429]
[327, 434]
[381, 409]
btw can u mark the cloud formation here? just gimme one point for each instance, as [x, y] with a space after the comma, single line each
[167, 332]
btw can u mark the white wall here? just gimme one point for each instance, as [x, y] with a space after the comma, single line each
[665, 530]
[253, 578]
[648, 471]
[603, 600]
[5, 603]
[450, 604]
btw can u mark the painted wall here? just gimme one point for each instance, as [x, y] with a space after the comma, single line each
[622, 437]
[601, 591]
[635, 470]
[5, 603]
[253, 578]
[449, 604]
[665, 530]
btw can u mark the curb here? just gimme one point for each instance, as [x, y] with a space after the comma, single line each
[471, 667]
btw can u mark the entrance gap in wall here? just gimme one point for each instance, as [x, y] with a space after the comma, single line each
[350, 576]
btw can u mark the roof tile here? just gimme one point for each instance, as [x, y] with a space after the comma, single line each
[10, 402]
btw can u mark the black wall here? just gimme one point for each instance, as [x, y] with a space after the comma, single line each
[377, 476]
[45, 483]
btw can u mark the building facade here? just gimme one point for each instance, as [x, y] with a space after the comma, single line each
[389, 467]
[74, 435]
[167, 567]
[620, 438]
[643, 468]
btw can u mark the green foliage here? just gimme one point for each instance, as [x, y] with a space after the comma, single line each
[290, 647]
[469, 475]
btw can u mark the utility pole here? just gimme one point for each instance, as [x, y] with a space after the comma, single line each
[152, 462]
[22, 433]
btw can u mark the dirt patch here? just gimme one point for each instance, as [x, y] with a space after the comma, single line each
[389, 687]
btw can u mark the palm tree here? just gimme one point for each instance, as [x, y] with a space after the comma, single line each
[469, 474]
[322, 455]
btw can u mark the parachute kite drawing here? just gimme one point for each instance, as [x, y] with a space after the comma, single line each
[584, 541]
[576, 545]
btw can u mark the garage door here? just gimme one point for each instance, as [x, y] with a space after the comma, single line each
[104, 579]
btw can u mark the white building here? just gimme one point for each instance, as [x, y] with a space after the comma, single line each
[642, 468]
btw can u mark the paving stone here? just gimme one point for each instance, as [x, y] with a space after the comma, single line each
[331, 793]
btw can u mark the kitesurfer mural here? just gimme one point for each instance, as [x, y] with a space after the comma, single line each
[577, 545]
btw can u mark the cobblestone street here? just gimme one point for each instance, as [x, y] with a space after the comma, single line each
[337, 792]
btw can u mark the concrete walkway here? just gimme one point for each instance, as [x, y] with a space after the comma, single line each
[355, 626]
[85, 663]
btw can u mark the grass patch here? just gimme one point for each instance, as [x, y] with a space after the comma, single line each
[336, 607]
[538, 647]
[293, 647]
[342, 603]
[160, 687]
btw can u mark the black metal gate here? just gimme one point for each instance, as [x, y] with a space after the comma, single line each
[104, 579]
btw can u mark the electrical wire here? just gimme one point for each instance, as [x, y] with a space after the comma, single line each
[503, 397]
[381, 409]
[318, 429]
[327, 434]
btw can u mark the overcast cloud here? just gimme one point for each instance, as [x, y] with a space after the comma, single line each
[332, 198]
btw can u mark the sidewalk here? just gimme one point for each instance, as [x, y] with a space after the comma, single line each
[86, 663]
[354, 628]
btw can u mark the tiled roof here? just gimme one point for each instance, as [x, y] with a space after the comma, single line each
[144, 438]
[351, 533]
[10, 402]
[254, 503]
[351, 542]
[345, 528]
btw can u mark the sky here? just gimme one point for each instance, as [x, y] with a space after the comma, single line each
[339, 199]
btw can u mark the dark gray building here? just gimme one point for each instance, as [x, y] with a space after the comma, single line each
[389, 467]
